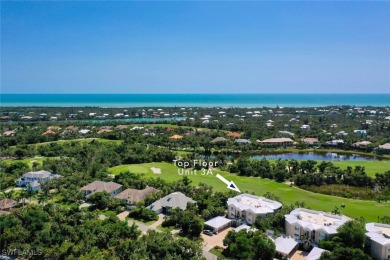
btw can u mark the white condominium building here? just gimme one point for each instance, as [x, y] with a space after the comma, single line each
[379, 238]
[249, 207]
[313, 225]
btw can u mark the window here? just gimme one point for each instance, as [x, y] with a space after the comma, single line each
[297, 228]
[322, 235]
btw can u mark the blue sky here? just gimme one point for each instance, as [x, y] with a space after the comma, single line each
[195, 47]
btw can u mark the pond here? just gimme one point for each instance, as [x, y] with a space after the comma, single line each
[316, 156]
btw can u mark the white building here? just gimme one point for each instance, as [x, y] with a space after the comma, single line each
[32, 179]
[249, 207]
[379, 239]
[313, 225]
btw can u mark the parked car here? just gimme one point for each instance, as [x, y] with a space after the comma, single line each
[208, 232]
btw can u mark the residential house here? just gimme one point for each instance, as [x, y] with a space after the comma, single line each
[277, 142]
[360, 132]
[99, 186]
[6, 205]
[384, 148]
[32, 180]
[311, 141]
[234, 134]
[361, 145]
[342, 134]
[249, 207]
[243, 141]
[171, 201]
[133, 196]
[379, 240]
[9, 133]
[288, 133]
[305, 127]
[218, 140]
[176, 137]
[84, 131]
[313, 225]
[335, 143]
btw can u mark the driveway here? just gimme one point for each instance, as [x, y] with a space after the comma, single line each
[215, 240]
[144, 228]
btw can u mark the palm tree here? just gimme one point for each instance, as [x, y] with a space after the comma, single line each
[22, 196]
[43, 198]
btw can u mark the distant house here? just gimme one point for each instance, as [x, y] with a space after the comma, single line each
[32, 180]
[305, 127]
[133, 196]
[218, 140]
[99, 186]
[9, 133]
[49, 132]
[384, 148]
[360, 132]
[342, 134]
[288, 133]
[277, 142]
[379, 239]
[234, 134]
[361, 145]
[5, 118]
[311, 141]
[335, 143]
[243, 141]
[176, 137]
[249, 207]
[121, 127]
[315, 225]
[104, 131]
[84, 131]
[171, 201]
[6, 205]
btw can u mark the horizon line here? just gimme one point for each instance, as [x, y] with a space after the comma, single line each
[230, 93]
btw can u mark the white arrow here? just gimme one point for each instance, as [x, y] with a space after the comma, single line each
[230, 184]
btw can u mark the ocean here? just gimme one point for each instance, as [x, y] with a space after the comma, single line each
[193, 100]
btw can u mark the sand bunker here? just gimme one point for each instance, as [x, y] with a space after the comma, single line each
[156, 170]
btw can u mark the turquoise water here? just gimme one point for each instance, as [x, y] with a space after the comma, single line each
[199, 100]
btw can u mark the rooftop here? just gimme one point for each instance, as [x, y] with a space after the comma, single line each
[379, 233]
[254, 203]
[217, 222]
[314, 220]
[277, 140]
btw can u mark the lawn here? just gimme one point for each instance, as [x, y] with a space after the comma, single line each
[371, 167]
[30, 161]
[370, 210]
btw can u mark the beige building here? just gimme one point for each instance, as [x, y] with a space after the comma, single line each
[379, 239]
[99, 186]
[313, 225]
[249, 207]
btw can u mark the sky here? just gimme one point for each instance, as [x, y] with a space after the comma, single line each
[195, 47]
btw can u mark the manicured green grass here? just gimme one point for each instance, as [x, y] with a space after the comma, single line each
[218, 253]
[30, 161]
[370, 210]
[371, 167]
[148, 223]
[169, 229]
